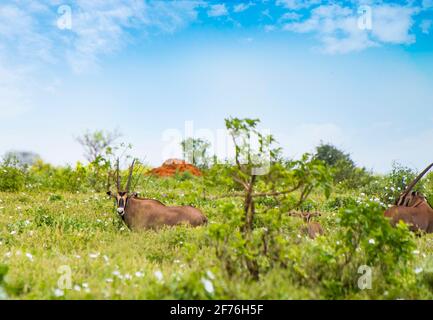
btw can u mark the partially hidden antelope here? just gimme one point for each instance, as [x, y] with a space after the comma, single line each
[312, 229]
[412, 208]
[140, 213]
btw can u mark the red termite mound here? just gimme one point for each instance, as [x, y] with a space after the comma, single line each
[171, 166]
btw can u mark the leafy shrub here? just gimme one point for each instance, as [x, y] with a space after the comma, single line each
[365, 238]
[12, 179]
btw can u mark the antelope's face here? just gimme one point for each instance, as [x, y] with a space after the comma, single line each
[121, 200]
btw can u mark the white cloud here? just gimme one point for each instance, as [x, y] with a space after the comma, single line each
[269, 28]
[426, 26]
[266, 13]
[338, 31]
[101, 28]
[14, 83]
[392, 24]
[297, 4]
[241, 7]
[290, 16]
[217, 10]
[28, 29]
[21, 34]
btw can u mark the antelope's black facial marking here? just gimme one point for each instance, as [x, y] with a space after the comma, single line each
[121, 200]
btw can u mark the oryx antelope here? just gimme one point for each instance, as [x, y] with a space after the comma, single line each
[312, 229]
[140, 213]
[412, 208]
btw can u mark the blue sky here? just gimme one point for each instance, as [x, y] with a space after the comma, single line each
[311, 70]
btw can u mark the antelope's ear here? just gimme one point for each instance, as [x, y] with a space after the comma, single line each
[109, 193]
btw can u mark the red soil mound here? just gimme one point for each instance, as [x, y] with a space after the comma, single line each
[171, 166]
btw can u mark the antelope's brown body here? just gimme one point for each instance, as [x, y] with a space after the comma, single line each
[418, 216]
[139, 213]
[313, 229]
[152, 214]
[412, 208]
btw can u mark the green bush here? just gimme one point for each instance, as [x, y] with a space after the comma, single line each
[12, 179]
[364, 238]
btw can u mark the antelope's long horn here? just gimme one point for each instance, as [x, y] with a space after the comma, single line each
[131, 170]
[414, 182]
[118, 175]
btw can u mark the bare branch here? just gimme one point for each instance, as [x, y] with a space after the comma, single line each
[257, 195]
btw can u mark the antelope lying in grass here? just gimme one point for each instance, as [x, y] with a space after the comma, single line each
[140, 213]
[313, 229]
[412, 208]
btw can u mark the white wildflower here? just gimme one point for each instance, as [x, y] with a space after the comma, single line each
[59, 292]
[139, 274]
[29, 256]
[77, 287]
[158, 275]
[210, 275]
[208, 286]
[372, 241]
[419, 270]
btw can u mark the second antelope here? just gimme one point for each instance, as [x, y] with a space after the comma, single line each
[412, 208]
[313, 229]
[140, 213]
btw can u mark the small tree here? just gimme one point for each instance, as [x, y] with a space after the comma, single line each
[258, 165]
[96, 143]
[343, 167]
[331, 155]
[195, 151]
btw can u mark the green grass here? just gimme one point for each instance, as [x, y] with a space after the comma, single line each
[41, 232]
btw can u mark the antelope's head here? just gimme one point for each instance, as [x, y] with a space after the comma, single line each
[122, 195]
[306, 216]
